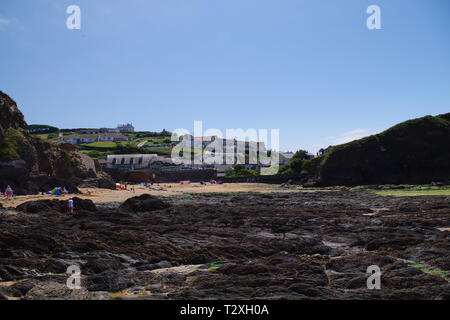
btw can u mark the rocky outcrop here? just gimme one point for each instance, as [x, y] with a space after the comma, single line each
[54, 205]
[413, 152]
[144, 203]
[31, 165]
[234, 248]
[102, 183]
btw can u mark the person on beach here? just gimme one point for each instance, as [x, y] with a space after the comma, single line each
[9, 192]
[70, 204]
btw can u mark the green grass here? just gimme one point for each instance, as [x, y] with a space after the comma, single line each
[215, 265]
[96, 154]
[47, 136]
[101, 144]
[424, 269]
[405, 193]
[10, 144]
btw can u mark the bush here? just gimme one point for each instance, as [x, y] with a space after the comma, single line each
[10, 144]
[240, 171]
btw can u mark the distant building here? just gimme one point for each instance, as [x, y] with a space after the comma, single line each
[285, 157]
[109, 130]
[125, 127]
[90, 131]
[40, 129]
[112, 137]
[140, 162]
[79, 139]
[211, 141]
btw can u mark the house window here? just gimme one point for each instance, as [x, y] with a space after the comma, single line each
[140, 160]
[114, 161]
[132, 161]
[122, 161]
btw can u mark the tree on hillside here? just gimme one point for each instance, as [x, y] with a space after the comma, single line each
[297, 162]
[302, 155]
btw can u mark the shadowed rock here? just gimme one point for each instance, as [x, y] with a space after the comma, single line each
[108, 281]
[144, 203]
[61, 206]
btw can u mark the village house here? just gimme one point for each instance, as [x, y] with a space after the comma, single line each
[38, 130]
[209, 141]
[109, 130]
[140, 161]
[79, 139]
[112, 137]
[90, 131]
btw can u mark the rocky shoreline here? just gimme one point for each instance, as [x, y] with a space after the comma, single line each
[314, 245]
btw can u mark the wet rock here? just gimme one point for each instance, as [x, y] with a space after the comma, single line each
[144, 203]
[10, 273]
[84, 204]
[42, 206]
[2, 295]
[306, 290]
[406, 282]
[109, 281]
[54, 205]
[398, 243]
[358, 262]
[243, 269]
[115, 248]
[99, 265]
[58, 291]
[152, 266]
[20, 288]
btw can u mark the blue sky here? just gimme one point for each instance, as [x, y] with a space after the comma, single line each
[309, 68]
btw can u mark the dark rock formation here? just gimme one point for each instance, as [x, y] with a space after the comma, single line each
[412, 152]
[58, 291]
[324, 255]
[54, 205]
[144, 203]
[109, 281]
[102, 183]
[30, 165]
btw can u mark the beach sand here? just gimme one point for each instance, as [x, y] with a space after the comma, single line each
[164, 189]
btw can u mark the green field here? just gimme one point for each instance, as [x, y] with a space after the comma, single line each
[102, 144]
[406, 193]
[46, 136]
[96, 154]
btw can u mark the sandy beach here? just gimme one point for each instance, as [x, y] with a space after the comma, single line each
[166, 189]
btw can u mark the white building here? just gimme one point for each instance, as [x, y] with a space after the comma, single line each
[125, 127]
[79, 139]
[112, 137]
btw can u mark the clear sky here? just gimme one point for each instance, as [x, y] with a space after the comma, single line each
[307, 67]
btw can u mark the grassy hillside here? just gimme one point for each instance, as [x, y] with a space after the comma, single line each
[415, 151]
[139, 142]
